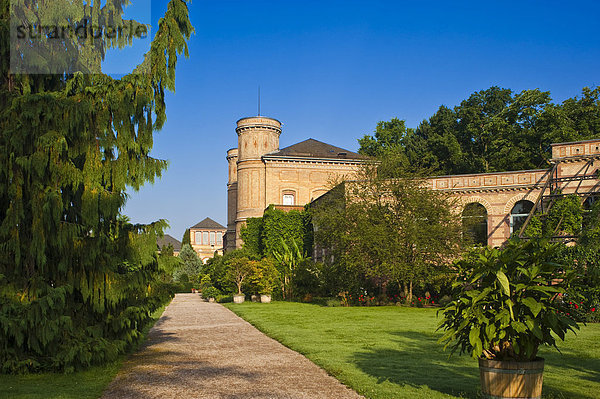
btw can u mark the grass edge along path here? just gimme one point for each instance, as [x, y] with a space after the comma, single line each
[84, 384]
[392, 352]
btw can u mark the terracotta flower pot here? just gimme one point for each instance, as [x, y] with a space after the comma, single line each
[509, 379]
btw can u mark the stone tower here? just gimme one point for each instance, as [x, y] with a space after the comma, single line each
[257, 136]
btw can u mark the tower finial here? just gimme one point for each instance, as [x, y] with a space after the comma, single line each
[258, 100]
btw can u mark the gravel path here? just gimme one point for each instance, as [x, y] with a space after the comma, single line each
[203, 350]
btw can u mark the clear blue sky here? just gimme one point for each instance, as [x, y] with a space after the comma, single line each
[331, 70]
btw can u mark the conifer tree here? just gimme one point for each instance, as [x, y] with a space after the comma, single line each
[77, 280]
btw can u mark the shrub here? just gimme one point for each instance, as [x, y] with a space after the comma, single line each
[264, 277]
[506, 302]
[210, 292]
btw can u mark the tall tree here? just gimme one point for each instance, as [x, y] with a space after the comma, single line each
[393, 229]
[74, 289]
[186, 238]
[189, 265]
[493, 130]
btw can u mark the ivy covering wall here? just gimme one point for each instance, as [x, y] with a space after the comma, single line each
[263, 236]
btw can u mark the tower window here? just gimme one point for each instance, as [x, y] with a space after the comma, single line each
[198, 238]
[288, 199]
[205, 238]
[212, 238]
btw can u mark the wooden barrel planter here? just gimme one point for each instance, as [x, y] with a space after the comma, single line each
[505, 379]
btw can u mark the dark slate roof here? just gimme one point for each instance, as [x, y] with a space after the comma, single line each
[312, 148]
[208, 223]
[165, 240]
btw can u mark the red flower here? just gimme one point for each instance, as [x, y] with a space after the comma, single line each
[593, 309]
[576, 307]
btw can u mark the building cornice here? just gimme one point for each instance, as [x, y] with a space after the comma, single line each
[292, 159]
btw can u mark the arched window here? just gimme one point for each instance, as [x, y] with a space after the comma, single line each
[475, 221]
[590, 202]
[519, 214]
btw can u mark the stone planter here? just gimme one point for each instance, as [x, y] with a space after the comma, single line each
[265, 298]
[255, 298]
[504, 379]
[239, 298]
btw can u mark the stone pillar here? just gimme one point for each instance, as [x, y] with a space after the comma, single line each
[257, 136]
[232, 191]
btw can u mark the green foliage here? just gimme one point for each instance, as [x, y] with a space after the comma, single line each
[506, 303]
[307, 279]
[251, 234]
[168, 263]
[80, 282]
[382, 231]
[186, 238]
[264, 277]
[283, 227]
[262, 236]
[189, 265]
[493, 130]
[217, 267]
[238, 269]
[210, 292]
[288, 257]
[205, 282]
[565, 216]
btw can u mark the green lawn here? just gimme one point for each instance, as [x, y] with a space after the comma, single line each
[87, 384]
[392, 352]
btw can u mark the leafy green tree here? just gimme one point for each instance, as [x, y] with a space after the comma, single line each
[238, 270]
[264, 276]
[186, 238]
[492, 130]
[76, 288]
[189, 264]
[393, 230]
[288, 257]
[389, 137]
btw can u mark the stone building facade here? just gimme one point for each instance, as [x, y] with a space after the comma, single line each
[261, 174]
[508, 196]
[206, 238]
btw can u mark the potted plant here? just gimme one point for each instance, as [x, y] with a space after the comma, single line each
[263, 279]
[505, 304]
[238, 270]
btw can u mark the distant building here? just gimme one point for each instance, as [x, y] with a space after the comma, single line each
[165, 241]
[206, 237]
[261, 174]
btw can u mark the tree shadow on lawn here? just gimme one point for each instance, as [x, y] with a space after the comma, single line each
[418, 360]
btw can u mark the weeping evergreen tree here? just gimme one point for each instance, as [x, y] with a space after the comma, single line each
[77, 280]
